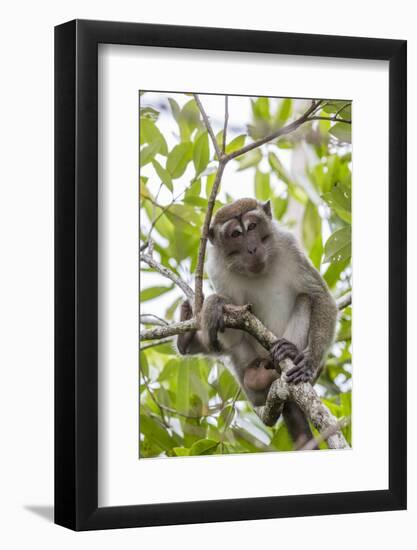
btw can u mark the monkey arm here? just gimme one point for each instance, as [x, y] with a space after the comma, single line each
[322, 327]
[322, 324]
[189, 343]
[212, 322]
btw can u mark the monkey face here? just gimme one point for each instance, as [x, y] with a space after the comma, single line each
[244, 243]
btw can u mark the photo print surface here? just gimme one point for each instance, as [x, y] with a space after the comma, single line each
[245, 274]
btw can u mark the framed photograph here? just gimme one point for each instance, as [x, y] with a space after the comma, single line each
[230, 252]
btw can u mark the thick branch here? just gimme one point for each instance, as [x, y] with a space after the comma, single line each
[240, 317]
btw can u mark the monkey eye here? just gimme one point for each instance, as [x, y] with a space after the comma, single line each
[251, 226]
[235, 233]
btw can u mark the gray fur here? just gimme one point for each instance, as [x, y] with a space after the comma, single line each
[288, 295]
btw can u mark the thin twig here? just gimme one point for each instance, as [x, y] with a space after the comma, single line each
[154, 343]
[208, 126]
[331, 119]
[226, 120]
[148, 259]
[154, 399]
[278, 133]
[165, 208]
[344, 301]
[151, 319]
[325, 435]
[342, 108]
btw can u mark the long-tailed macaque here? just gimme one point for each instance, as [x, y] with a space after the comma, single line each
[251, 259]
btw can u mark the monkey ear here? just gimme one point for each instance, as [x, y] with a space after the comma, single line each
[266, 207]
[211, 235]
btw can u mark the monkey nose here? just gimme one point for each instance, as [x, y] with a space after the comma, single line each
[252, 250]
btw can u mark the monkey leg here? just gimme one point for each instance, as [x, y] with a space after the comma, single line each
[297, 424]
[259, 375]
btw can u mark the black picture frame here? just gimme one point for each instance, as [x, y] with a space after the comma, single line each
[76, 272]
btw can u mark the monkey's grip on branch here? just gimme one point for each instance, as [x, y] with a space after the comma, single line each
[240, 317]
[303, 394]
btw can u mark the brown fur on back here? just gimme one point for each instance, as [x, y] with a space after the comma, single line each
[237, 208]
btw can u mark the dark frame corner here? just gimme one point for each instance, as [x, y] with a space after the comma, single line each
[76, 368]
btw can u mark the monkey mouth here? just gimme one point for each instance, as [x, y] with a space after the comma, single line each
[256, 268]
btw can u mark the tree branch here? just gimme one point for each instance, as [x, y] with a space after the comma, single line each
[199, 272]
[226, 120]
[344, 301]
[148, 259]
[151, 319]
[208, 126]
[329, 432]
[332, 119]
[240, 317]
[278, 133]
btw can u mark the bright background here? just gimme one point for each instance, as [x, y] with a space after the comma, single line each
[27, 274]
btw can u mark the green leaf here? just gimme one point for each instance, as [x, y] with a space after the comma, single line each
[196, 201]
[342, 108]
[194, 189]
[143, 362]
[189, 120]
[338, 246]
[334, 271]
[236, 143]
[181, 451]
[183, 385]
[279, 205]
[149, 112]
[163, 175]
[153, 292]
[340, 197]
[178, 159]
[149, 133]
[342, 131]
[154, 431]
[226, 417]
[316, 251]
[311, 225]
[262, 186]
[284, 111]
[204, 447]
[281, 440]
[260, 108]
[279, 169]
[227, 385]
[252, 158]
[201, 153]
[176, 111]
[148, 153]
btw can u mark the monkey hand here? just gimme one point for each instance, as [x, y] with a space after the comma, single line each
[303, 370]
[212, 321]
[283, 349]
[184, 340]
[186, 311]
